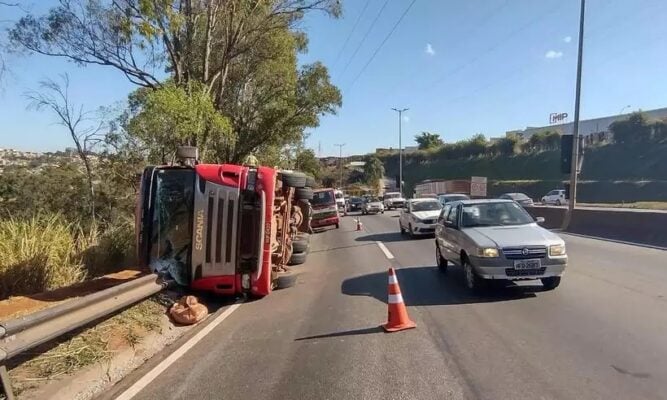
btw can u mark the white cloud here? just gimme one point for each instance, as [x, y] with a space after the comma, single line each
[406, 118]
[429, 49]
[567, 39]
[554, 54]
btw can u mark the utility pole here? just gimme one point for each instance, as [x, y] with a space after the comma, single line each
[340, 163]
[575, 126]
[400, 112]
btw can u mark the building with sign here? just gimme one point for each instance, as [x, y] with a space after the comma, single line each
[588, 127]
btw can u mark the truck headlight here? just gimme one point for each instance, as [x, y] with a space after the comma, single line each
[557, 250]
[488, 252]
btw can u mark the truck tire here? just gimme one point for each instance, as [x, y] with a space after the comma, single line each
[286, 280]
[304, 193]
[298, 258]
[293, 179]
[310, 181]
[300, 244]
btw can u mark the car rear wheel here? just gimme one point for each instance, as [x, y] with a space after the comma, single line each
[558, 202]
[550, 283]
[442, 262]
[473, 281]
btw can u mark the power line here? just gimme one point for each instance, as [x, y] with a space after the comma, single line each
[365, 36]
[377, 50]
[354, 27]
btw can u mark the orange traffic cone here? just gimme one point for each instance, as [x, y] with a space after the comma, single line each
[397, 316]
[359, 225]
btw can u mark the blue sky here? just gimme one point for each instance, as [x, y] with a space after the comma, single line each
[461, 66]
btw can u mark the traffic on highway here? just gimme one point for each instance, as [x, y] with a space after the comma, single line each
[599, 336]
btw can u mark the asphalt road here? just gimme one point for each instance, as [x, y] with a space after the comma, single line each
[601, 335]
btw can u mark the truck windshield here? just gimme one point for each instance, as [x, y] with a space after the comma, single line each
[171, 222]
[323, 198]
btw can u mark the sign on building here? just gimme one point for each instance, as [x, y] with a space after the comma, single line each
[478, 186]
[555, 118]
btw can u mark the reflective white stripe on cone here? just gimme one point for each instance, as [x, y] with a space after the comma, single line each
[395, 298]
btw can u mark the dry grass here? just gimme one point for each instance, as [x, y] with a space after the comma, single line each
[92, 345]
[39, 254]
[46, 252]
[646, 205]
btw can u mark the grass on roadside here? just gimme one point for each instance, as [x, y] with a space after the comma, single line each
[95, 344]
[47, 252]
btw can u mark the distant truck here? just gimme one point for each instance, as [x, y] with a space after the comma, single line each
[438, 187]
[393, 200]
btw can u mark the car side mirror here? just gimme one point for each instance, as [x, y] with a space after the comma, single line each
[540, 220]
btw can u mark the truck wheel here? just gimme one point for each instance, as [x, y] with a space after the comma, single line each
[310, 181]
[298, 258]
[293, 179]
[550, 283]
[304, 193]
[300, 244]
[286, 280]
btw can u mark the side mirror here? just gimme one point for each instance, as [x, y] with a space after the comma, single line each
[540, 220]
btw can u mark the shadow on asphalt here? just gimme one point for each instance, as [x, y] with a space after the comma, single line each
[427, 286]
[363, 331]
[389, 237]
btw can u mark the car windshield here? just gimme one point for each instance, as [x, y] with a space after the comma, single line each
[392, 195]
[372, 200]
[517, 196]
[339, 195]
[494, 214]
[426, 206]
[322, 198]
[355, 200]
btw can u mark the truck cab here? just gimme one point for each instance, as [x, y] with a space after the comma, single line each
[222, 228]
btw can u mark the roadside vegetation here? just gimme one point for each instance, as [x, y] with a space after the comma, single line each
[234, 89]
[92, 345]
[627, 165]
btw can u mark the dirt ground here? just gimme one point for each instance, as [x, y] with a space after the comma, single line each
[21, 305]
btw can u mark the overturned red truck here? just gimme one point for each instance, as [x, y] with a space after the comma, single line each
[224, 228]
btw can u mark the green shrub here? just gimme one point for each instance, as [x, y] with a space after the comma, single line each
[38, 254]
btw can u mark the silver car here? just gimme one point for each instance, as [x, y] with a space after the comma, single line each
[498, 239]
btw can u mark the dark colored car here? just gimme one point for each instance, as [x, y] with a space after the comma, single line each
[354, 204]
[520, 198]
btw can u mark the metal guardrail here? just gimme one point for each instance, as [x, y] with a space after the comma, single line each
[23, 333]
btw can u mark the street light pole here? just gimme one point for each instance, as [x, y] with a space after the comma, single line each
[575, 127]
[340, 163]
[400, 148]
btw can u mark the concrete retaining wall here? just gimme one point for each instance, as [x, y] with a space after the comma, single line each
[643, 227]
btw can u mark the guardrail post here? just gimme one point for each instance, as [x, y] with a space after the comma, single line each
[6, 383]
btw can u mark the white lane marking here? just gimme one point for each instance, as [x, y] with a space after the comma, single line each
[385, 250]
[155, 372]
[393, 280]
[395, 298]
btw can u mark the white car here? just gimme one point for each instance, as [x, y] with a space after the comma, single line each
[393, 200]
[419, 217]
[340, 200]
[556, 197]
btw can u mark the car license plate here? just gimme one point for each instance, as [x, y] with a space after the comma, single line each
[527, 264]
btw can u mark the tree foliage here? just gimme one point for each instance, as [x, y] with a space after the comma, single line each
[427, 140]
[173, 116]
[634, 130]
[373, 172]
[306, 161]
[241, 53]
